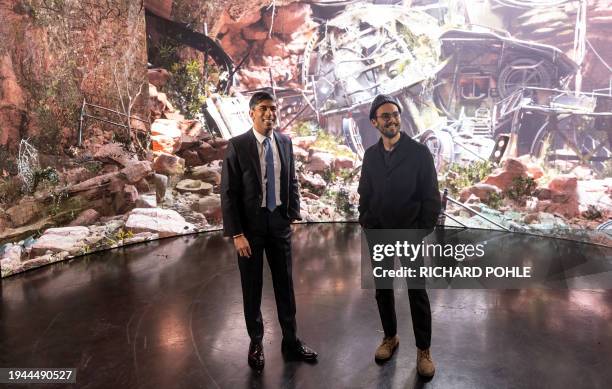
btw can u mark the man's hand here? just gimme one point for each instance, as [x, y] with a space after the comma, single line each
[242, 246]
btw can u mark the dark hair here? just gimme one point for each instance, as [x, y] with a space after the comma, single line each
[259, 97]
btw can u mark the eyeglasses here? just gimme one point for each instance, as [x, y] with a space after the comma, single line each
[387, 116]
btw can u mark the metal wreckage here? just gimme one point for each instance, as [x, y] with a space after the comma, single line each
[468, 94]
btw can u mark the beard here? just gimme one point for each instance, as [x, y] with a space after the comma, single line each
[390, 131]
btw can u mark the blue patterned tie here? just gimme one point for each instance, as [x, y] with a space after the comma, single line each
[270, 183]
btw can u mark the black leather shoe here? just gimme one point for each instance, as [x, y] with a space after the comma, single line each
[299, 352]
[256, 356]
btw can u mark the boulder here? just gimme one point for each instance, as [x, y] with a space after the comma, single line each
[194, 186]
[115, 152]
[206, 174]
[125, 200]
[143, 186]
[480, 190]
[165, 136]
[564, 198]
[85, 218]
[136, 171]
[70, 239]
[168, 164]
[320, 162]
[93, 185]
[161, 186]
[12, 254]
[158, 103]
[165, 222]
[131, 194]
[314, 182]
[503, 178]
[191, 157]
[564, 184]
[566, 209]
[343, 163]
[192, 133]
[210, 207]
[146, 201]
[206, 152]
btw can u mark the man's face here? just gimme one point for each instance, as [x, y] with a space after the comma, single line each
[264, 116]
[387, 120]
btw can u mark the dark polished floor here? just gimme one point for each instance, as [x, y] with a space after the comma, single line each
[168, 314]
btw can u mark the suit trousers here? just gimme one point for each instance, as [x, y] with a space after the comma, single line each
[271, 233]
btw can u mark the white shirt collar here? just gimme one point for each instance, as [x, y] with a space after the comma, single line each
[260, 138]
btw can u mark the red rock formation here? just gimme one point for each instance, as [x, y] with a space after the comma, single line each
[503, 178]
[56, 56]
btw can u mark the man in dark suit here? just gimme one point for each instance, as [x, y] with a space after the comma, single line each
[259, 199]
[398, 189]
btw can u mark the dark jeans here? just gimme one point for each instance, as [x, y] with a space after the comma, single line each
[420, 309]
[272, 235]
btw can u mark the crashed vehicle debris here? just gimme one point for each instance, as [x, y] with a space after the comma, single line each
[483, 70]
[353, 57]
[563, 129]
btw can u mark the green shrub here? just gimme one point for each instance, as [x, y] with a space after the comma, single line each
[521, 188]
[186, 87]
[460, 176]
[306, 128]
[495, 200]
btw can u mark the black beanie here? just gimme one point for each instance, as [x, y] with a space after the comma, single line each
[380, 100]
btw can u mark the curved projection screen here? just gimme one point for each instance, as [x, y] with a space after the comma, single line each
[115, 117]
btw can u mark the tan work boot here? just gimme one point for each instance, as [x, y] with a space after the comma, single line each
[386, 348]
[425, 365]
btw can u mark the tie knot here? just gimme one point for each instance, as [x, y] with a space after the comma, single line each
[267, 140]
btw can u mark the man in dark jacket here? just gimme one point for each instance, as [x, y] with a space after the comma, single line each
[259, 199]
[399, 190]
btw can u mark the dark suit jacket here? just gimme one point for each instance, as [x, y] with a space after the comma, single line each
[241, 178]
[402, 195]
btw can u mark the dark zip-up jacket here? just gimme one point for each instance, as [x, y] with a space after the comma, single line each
[241, 193]
[400, 194]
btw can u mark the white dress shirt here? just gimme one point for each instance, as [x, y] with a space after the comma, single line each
[262, 162]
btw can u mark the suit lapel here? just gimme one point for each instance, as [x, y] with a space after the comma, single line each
[252, 146]
[284, 157]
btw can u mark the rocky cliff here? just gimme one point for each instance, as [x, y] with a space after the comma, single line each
[55, 54]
